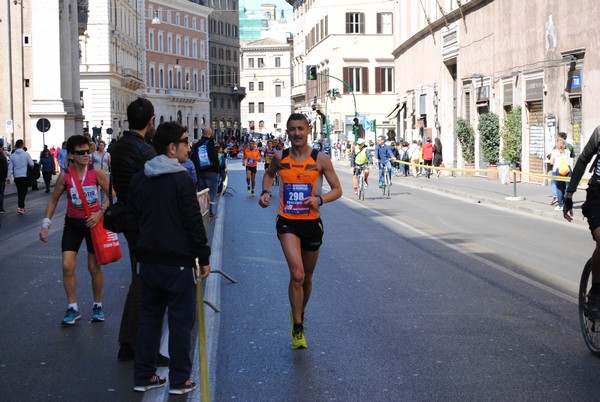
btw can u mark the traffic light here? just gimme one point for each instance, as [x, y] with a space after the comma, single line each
[311, 73]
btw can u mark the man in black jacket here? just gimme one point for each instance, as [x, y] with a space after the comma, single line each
[167, 236]
[128, 156]
[206, 161]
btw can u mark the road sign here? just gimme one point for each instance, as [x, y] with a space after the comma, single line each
[366, 125]
[43, 125]
[9, 127]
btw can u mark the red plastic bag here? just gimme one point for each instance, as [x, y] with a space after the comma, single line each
[106, 244]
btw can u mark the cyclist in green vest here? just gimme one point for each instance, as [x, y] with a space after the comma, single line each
[360, 159]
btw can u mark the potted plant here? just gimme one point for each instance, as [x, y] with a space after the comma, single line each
[512, 141]
[489, 131]
[466, 137]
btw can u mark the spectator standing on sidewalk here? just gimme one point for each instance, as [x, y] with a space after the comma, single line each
[560, 156]
[437, 155]
[167, 235]
[48, 167]
[128, 156]
[17, 167]
[62, 157]
[299, 226]
[415, 156]
[3, 176]
[427, 154]
[101, 160]
[553, 183]
[206, 161]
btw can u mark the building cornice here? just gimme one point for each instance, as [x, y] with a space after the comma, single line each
[435, 26]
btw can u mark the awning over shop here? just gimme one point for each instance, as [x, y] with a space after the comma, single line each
[393, 114]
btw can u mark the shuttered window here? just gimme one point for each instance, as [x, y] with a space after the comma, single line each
[355, 23]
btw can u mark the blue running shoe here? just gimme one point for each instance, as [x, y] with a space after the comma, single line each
[71, 317]
[97, 314]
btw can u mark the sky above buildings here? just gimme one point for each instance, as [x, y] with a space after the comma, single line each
[255, 5]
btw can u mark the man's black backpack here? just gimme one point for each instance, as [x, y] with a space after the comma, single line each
[405, 156]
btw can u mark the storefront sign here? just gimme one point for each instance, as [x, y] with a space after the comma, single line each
[534, 89]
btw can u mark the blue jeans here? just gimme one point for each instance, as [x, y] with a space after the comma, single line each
[561, 188]
[381, 166]
[210, 180]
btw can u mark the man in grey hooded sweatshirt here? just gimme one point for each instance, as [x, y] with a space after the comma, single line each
[19, 160]
[167, 236]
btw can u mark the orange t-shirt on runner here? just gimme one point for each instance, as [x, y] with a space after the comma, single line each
[252, 157]
[299, 180]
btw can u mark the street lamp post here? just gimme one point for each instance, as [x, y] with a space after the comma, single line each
[10, 76]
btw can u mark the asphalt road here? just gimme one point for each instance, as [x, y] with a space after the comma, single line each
[416, 297]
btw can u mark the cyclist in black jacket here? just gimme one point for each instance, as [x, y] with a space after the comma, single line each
[590, 209]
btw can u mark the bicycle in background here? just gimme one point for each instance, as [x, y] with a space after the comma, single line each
[387, 181]
[360, 186]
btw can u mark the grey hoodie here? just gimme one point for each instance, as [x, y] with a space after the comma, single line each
[162, 164]
[19, 160]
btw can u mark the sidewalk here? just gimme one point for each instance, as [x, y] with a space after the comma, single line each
[530, 197]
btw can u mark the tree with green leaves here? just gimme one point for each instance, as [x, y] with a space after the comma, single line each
[466, 138]
[512, 137]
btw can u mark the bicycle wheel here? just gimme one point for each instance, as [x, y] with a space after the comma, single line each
[589, 328]
[361, 187]
[388, 183]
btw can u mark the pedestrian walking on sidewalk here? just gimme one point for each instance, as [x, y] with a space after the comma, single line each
[427, 155]
[167, 236]
[18, 165]
[48, 166]
[299, 226]
[77, 225]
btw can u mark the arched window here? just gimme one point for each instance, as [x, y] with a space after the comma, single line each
[179, 117]
[151, 77]
[187, 81]
[179, 86]
[161, 78]
[170, 79]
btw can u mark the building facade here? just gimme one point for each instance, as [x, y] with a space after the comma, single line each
[471, 62]
[355, 78]
[112, 68]
[266, 75]
[177, 63]
[226, 92]
[40, 47]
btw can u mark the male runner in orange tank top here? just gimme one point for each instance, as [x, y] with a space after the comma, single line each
[299, 227]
